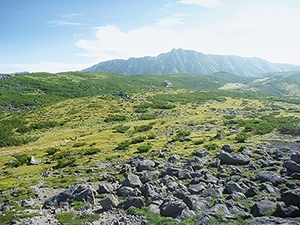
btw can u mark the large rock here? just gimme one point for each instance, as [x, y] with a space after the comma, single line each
[290, 211]
[132, 181]
[34, 161]
[262, 207]
[137, 202]
[196, 163]
[232, 187]
[109, 202]
[292, 166]
[269, 176]
[273, 221]
[105, 188]
[172, 207]
[233, 159]
[79, 192]
[296, 157]
[196, 203]
[145, 165]
[291, 197]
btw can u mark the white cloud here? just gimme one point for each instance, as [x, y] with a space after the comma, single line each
[51, 67]
[70, 15]
[271, 33]
[204, 3]
[172, 20]
[63, 23]
[112, 43]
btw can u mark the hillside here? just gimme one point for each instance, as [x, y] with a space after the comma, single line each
[191, 62]
[27, 91]
[93, 147]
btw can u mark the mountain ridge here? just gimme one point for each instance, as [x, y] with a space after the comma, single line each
[191, 62]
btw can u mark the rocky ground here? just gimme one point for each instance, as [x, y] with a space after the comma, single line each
[256, 185]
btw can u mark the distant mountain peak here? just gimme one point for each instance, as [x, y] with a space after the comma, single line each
[191, 62]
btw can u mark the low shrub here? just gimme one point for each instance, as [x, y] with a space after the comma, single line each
[147, 117]
[241, 138]
[92, 151]
[151, 136]
[144, 148]
[143, 128]
[138, 139]
[121, 128]
[123, 145]
[79, 144]
[19, 160]
[64, 162]
[52, 151]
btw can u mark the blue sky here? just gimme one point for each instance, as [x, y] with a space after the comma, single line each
[64, 35]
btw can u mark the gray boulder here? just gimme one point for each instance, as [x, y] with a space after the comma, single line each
[196, 163]
[201, 153]
[232, 187]
[145, 165]
[33, 161]
[290, 211]
[124, 191]
[262, 207]
[203, 219]
[196, 203]
[233, 159]
[132, 181]
[291, 197]
[172, 207]
[292, 166]
[109, 202]
[296, 157]
[137, 202]
[105, 188]
[228, 148]
[269, 176]
[79, 192]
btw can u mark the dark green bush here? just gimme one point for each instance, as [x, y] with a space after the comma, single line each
[181, 134]
[19, 160]
[147, 117]
[151, 136]
[138, 139]
[143, 128]
[64, 162]
[52, 151]
[123, 145]
[241, 138]
[92, 151]
[115, 118]
[79, 144]
[46, 124]
[144, 148]
[121, 128]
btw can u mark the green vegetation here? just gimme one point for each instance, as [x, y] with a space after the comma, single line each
[121, 128]
[18, 160]
[143, 128]
[115, 118]
[75, 121]
[69, 218]
[144, 148]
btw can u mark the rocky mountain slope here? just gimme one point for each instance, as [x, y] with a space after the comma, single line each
[100, 148]
[191, 62]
